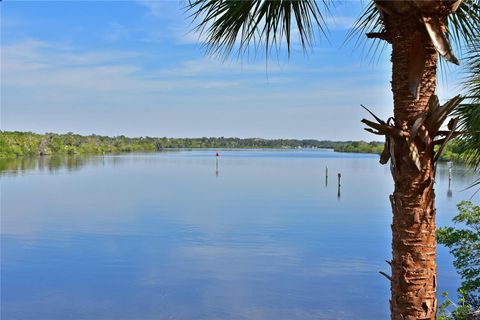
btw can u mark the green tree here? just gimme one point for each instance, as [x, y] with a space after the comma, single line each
[415, 31]
[464, 245]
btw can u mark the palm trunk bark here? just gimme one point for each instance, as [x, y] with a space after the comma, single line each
[413, 281]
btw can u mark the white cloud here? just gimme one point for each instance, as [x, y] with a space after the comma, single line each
[190, 37]
[116, 32]
[336, 22]
[66, 74]
[49, 85]
[159, 8]
[153, 7]
[34, 64]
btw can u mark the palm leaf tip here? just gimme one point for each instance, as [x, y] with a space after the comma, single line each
[235, 24]
[469, 112]
[462, 25]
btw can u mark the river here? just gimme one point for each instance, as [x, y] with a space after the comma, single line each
[251, 234]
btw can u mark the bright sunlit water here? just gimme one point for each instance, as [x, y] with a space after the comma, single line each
[172, 235]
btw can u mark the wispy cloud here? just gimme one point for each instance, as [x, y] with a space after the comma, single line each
[160, 8]
[338, 22]
[116, 32]
[190, 36]
[37, 64]
[153, 7]
[57, 67]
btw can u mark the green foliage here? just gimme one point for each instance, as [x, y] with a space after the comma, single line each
[462, 26]
[469, 112]
[361, 147]
[461, 311]
[17, 144]
[227, 23]
[454, 151]
[464, 245]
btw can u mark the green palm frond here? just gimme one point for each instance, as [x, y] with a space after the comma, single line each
[470, 122]
[369, 22]
[462, 26]
[469, 113]
[230, 24]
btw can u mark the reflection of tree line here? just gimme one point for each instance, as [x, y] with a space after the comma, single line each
[50, 164]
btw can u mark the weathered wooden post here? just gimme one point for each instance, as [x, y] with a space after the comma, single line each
[339, 184]
[216, 163]
[449, 163]
[449, 191]
[326, 176]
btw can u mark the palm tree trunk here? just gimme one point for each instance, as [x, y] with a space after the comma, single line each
[413, 287]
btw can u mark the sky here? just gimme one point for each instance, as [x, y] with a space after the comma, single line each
[137, 68]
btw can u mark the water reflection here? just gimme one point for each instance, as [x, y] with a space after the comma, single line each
[55, 164]
[458, 176]
[158, 236]
[50, 164]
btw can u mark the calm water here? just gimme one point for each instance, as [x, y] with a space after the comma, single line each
[171, 236]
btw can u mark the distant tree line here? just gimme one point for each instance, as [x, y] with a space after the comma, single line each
[17, 144]
[453, 151]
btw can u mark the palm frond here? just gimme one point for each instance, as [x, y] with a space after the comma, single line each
[369, 22]
[234, 24]
[469, 113]
[462, 26]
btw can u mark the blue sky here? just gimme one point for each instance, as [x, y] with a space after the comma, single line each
[135, 68]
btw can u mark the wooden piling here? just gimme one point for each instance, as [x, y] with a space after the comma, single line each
[339, 184]
[326, 176]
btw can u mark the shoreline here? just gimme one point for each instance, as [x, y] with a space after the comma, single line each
[18, 144]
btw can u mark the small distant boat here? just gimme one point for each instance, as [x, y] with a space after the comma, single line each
[217, 154]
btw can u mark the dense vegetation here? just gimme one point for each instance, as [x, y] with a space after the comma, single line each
[361, 147]
[17, 144]
[464, 245]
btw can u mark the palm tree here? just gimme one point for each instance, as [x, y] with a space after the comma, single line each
[469, 112]
[417, 31]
